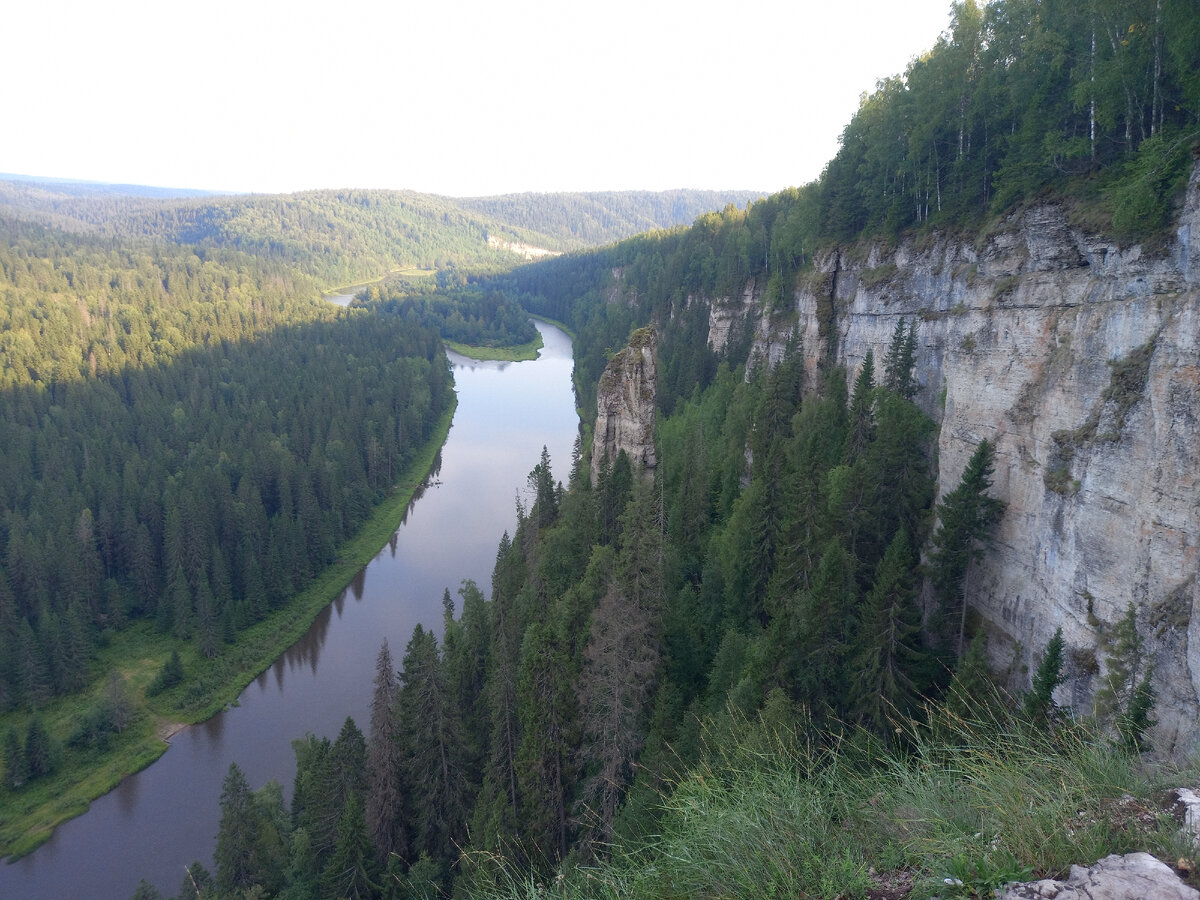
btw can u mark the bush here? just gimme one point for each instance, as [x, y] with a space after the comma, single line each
[168, 676]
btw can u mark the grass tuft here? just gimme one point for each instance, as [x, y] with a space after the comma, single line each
[952, 806]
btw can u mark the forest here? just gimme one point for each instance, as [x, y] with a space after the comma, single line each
[175, 469]
[186, 440]
[348, 236]
[654, 654]
[464, 314]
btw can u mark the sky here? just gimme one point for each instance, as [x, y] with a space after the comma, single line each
[455, 97]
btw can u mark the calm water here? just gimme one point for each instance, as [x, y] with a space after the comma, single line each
[161, 819]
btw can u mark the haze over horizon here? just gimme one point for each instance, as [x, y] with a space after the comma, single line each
[461, 98]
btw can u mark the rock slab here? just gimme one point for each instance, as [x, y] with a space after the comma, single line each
[1135, 876]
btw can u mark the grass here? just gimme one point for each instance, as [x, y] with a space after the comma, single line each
[510, 354]
[519, 353]
[402, 271]
[956, 808]
[29, 816]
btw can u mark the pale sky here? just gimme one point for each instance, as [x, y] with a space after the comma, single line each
[457, 97]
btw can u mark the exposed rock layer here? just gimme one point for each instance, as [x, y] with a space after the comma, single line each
[1080, 359]
[625, 404]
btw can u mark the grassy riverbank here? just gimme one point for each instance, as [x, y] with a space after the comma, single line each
[402, 271]
[29, 816]
[519, 353]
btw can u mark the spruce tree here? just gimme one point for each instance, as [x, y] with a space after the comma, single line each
[350, 871]
[235, 839]
[901, 357]
[1039, 701]
[1126, 697]
[967, 517]
[546, 703]
[16, 772]
[862, 411]
[384, 797]
[432, 761]
[888, 668]
[971, 691]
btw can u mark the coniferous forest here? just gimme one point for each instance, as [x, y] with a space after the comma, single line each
[173, 451]
[719, 681]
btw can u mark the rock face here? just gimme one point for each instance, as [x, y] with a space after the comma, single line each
[1135, 876]
[625, 404]
[1080, 360]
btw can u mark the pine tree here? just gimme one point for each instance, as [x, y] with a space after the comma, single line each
[272, 837]
[301, 877]
[316, 805]
[349, 758]
[971, 690]
[541, 483]
[815, 659]
[464, 659]
[33, 676]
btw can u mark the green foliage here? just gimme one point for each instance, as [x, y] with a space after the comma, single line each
[1126, 697]
[979, 875]
[1141, 198]
[1039, 701]
[168, 676]
[962, 807]
[466, 315]
[235, 837]
[596, 218]
[966, 516]
[181, 476]
[42, 751]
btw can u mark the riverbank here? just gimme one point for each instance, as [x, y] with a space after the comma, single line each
[519, 353]
[404, 271]
[28, 817]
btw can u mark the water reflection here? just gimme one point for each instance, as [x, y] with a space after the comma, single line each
[357, 583]
[167, 815]
[127, 797]
[213, 729]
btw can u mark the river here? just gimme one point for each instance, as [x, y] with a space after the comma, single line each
[161, 819]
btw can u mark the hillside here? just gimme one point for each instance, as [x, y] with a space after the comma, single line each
[880, 567]
[579, 220]
[339, 237]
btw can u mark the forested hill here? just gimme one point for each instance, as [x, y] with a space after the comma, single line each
[1096, 109]
[342, 236]
[75, 188]
[590, 219]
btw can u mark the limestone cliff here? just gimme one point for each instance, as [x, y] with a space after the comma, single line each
[625, 404]
[1080, 359]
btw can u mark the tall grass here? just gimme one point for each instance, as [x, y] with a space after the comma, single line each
[959, 806]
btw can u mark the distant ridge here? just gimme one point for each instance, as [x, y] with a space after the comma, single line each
[81, 188]
[346, 236]
[592, 218]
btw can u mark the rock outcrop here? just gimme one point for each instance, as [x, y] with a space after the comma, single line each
[1134, 876]
[625, 404]
[1080, 359]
